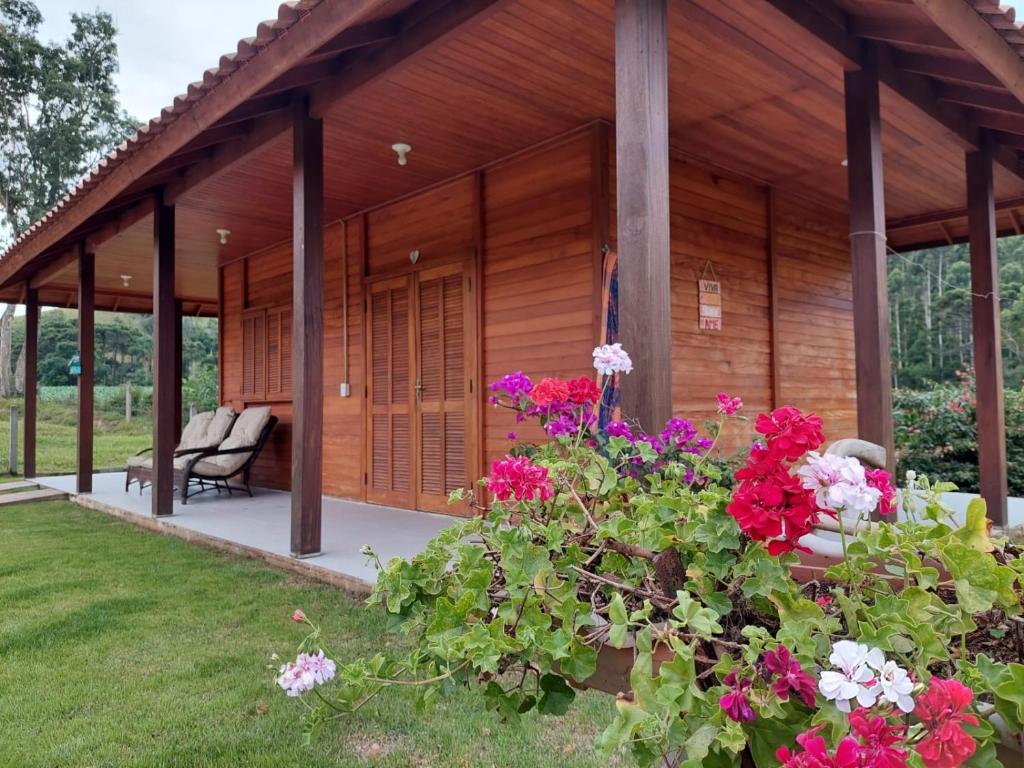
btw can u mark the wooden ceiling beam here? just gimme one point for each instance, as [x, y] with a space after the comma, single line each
[53, 268]
[902, 33]
[951, 214]
[360, 36]
[990, 101]
[228, 155]
[126, 220]
[962, 23]
[952, 70]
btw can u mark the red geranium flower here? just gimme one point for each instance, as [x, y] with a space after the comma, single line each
[549, 391]
[815, 752]
[583, 391]
[942, 711]
[880, 479]
[790, 433]
[878, 740]
[776, 509]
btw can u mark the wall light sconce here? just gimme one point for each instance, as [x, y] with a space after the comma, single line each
[125, 280]
[402, 150]
[223, 235]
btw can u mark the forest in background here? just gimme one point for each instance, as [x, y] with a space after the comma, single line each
[932, 361]
[930, 313]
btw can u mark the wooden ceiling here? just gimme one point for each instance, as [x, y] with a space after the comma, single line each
[751, 91]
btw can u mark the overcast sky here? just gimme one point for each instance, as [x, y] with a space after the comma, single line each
[164, 44]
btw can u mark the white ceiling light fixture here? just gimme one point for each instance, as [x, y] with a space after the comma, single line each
[402, 150]
[845, 163]
[223, 235]
[125, 280]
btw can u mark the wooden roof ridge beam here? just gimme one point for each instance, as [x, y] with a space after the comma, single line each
[941, 68]
[965, 25]
[421, 27]
[319, 26]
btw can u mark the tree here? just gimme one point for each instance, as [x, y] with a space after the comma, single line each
[59, 112]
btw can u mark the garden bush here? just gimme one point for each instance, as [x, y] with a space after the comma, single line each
[935, 433]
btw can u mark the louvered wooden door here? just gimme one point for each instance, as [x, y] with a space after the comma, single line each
[418, 392]
[441, 388]
[389, 393]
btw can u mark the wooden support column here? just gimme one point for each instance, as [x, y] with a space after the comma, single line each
[642, 184]
[868, 258]
[31, 378]
[307, 329]
[988, 355]
[165, 342]
[178, 341]
[87, 355]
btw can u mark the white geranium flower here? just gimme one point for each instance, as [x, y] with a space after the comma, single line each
[839, 484]
[896, 686]
[855, 678]
[612, 358]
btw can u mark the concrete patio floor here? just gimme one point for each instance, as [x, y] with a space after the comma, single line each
[260, 526]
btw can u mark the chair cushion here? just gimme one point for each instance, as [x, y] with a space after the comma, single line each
[245, 432]
[219, 426]
[140, 461]
[194, 434]
[180, 462]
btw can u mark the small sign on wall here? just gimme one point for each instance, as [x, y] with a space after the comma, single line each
[710, 300]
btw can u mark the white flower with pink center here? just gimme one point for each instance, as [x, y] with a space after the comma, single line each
[896, 686]
[306, 672]
[611, 358]
[839, 484]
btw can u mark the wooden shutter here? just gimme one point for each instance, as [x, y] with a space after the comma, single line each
[267, 354]
[442, 386]
[279, 353]
[254, 354]
[390, 470]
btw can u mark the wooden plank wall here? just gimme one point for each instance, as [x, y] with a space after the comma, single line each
[537, 219]
[815, 333]
[719, 225]
[538, 274]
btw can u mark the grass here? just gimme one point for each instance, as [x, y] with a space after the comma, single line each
[57, 437]
[120, 647]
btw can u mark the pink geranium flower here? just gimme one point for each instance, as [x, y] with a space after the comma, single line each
[727, 406]
[789, 675]
[519, 478]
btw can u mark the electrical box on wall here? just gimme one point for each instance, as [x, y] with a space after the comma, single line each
[344, 389]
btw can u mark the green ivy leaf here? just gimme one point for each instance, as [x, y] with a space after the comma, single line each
[556, 697]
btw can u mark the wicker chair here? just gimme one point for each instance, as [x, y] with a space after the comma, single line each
[204, 431]
[214, 468]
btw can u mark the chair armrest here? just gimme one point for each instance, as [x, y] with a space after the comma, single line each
[144, 450]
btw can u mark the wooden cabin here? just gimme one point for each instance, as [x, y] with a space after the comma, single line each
[369, 292]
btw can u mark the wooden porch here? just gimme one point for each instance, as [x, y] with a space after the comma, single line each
[792, 143]
[259, 527]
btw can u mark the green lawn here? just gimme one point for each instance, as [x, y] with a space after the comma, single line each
[57, 437]
[121, 647]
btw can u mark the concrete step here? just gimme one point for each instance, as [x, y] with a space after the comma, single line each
[24, 497]
[18, 485]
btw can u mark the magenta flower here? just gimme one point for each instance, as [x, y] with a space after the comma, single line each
[735, 703]
[518, 477]
[298, 617]
[727, 406]
[789, 675]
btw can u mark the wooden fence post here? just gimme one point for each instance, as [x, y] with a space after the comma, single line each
[12, 445]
